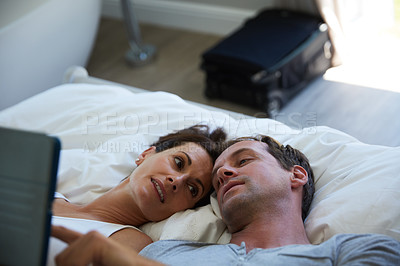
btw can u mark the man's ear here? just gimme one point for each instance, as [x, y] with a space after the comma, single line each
[150, 151]
[299, 176]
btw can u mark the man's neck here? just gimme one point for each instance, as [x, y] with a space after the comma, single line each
[264, 233]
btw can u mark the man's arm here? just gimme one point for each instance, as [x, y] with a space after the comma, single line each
[95, 248]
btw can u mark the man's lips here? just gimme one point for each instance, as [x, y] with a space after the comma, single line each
[229, 185]
[159, 189]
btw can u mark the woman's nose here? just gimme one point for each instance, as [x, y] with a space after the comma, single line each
[176, 181]
[172, 181]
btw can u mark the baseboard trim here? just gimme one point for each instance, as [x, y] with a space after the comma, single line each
[190, 16]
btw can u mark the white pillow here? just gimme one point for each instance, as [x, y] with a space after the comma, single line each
[357, 186]
[103, 129]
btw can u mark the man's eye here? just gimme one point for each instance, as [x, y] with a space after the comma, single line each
[243, 161]
[179, 162]
[193, 190]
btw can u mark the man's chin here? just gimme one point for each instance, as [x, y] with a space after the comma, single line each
[230, 205]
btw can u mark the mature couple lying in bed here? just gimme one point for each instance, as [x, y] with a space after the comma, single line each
[356, 184]
[264, 191]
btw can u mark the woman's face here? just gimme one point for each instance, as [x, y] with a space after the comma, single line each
[170, 181]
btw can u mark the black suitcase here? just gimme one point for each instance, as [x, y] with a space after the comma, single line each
[268, 60]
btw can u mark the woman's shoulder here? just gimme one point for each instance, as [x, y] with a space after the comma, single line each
[132, 238]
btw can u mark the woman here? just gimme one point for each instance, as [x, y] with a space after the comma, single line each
[174, 174]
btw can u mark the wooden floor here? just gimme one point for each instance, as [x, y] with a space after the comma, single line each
[362, 106]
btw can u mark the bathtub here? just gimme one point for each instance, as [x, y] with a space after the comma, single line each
[39, 40]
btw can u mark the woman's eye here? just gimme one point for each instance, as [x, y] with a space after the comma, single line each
[179, 162]
[193, 190]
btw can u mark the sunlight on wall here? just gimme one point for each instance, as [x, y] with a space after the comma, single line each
[372, 58]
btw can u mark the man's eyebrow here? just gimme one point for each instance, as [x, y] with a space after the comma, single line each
[239, 151]
[188, 158]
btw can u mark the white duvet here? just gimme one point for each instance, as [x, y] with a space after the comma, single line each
[103, 129]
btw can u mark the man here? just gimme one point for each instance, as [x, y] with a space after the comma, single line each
[264, 189]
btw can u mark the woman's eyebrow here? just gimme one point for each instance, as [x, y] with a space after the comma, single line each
[188, 158]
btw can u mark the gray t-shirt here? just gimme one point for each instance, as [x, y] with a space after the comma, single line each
[344, 249]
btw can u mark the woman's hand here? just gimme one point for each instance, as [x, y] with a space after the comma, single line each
[95, 248]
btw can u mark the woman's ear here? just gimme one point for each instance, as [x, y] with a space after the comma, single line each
[150, 151]
[299, 176]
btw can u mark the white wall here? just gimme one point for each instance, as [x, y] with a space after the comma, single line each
[219, 17]
[243, 4]
[223, 16]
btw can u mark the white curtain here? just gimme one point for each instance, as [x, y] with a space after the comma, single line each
[352, 23]
[332, 12]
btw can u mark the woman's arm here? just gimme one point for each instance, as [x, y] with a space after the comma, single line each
[95, 248]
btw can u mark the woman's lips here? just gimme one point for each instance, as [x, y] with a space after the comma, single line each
[159, 188]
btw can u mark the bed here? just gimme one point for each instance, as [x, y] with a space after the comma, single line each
[103, 126]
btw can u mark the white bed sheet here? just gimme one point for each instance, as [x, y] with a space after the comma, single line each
[103, 128]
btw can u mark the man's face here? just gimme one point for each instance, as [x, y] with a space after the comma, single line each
[246, 178]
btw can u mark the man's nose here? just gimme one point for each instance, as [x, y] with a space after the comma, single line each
[224, 173]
